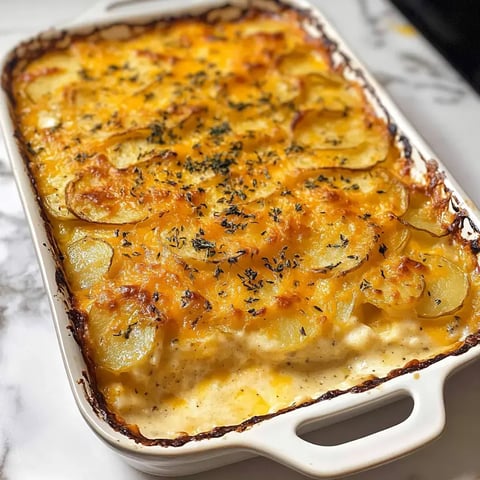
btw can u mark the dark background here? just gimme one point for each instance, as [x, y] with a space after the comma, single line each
[453, 27]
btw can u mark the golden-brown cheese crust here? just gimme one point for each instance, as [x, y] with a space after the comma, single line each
[235, 221]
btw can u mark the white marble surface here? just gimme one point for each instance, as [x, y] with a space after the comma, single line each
[42, 435]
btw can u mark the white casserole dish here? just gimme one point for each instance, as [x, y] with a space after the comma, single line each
[276, 437]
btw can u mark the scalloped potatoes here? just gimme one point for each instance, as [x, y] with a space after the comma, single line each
[236, 223]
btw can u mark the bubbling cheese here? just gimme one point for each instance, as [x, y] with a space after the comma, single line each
[238, 227]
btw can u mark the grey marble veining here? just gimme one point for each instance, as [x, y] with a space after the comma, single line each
[42, 435]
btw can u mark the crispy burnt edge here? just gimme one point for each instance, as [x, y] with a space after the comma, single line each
[34, 48]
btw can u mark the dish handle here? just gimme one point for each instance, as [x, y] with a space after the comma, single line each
[112, 10]
[279, 439]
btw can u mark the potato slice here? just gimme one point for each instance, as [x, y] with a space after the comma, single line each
[373, 187]
[129, 152]
[338, 243]
[87, 261]
[106, 195]
[300, 62]
[326, 139]
[157, 140]
[397, 282]
[306, 333]
[323, 91]
[394, 237]
[52, 72]
[122, 331]
[256, 133]
[253, 125]
[57, 207]
[423, 215]
[242, 95]
[326, 79]
[54, 197]
[288, 335]
[385, 192]
[446, 287]
[138, 146]
[361, 157]
[102, 203]
[261, 227]
[198, 242]
[329, 130]
[283, 89]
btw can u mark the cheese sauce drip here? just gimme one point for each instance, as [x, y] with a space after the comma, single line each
[236, 223]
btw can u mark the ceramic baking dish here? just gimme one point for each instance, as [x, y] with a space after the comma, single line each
[276, 436]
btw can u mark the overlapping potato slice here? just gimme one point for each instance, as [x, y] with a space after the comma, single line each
[394, 237]
[336, 140]
[361, 157]
[57, 207]
[329, 130]
[326, 91]
[375, 190]
[103, 194]
[199, 241]
[227, 231]
[396, 282]
[251, 184]
[264, 25]
[242, 95]
[256, 130]
[282, 89]
[193, 335]
[143, 71]
[287, 333]
[82, 95]
[138, 146]
[87, 261]
[267, 45]
[132, 147]
[44, 79]
[299, 62]
[386, 194]
[159, 138]
[357, 158]
[122, 329]
[298, 331]
[446, 286]
[423, 214]
[55, 198]
[338, 243]
[322, 80]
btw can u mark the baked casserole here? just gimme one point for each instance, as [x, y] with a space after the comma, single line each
[238, 227]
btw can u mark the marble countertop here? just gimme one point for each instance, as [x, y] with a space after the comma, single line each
[42, 435]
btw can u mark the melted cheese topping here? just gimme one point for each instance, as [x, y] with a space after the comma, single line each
[235, 222]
